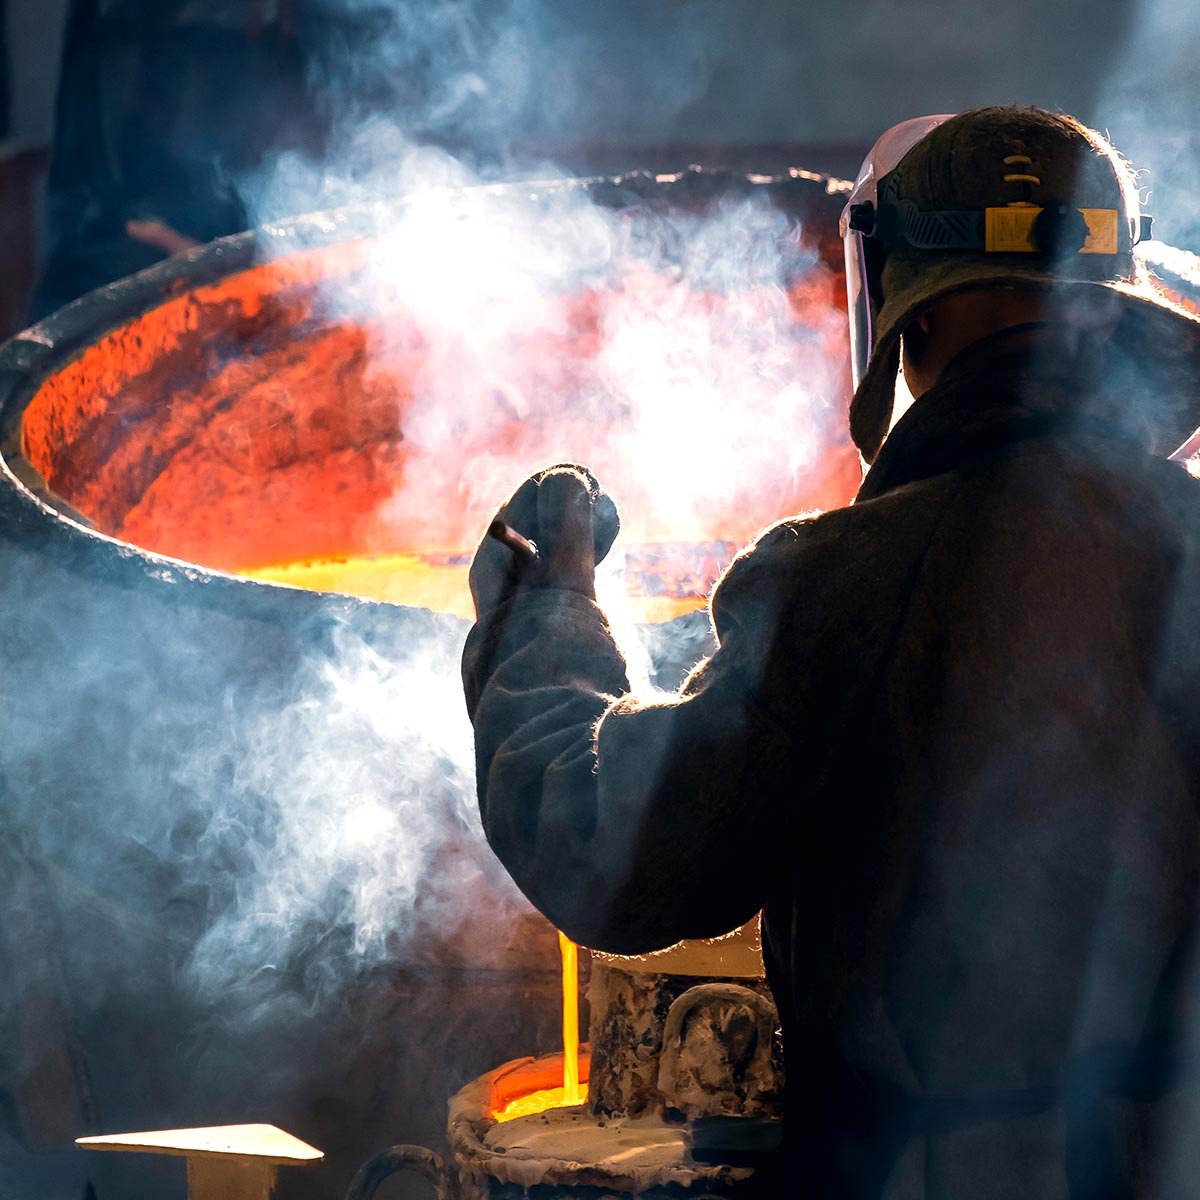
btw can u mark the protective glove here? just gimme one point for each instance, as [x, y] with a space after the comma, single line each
[572, 520]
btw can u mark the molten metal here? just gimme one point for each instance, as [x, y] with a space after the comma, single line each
[663, 581]
[573, 1091]
[240, 426]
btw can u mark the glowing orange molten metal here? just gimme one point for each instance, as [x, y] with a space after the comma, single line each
[573, 1091]
[244, 426]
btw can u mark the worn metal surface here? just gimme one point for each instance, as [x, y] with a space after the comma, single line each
[395, 1160]
[224, 1162]
[737, 955]
[630, 1011]
[572, 1154]
[209, 1179]
[720, 1054]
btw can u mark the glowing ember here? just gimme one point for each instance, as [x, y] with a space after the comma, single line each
[572, 1091]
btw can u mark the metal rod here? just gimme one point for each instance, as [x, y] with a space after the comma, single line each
[521, 546]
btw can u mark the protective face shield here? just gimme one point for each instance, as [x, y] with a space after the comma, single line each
[862, 271]
[878, 214]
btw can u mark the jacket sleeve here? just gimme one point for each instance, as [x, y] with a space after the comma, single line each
[630, 824]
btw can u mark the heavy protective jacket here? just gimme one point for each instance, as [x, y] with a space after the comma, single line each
[950, 743]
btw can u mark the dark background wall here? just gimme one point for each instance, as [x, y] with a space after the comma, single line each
[573, 83]
[771, 70]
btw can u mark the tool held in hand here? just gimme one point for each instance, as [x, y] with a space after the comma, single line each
[565, 509]
[521, 546]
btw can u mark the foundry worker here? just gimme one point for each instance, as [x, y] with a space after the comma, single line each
[949, 741]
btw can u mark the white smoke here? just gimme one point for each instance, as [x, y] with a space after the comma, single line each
[490, 79]
[311, 813]
[1148, 106]
[346, 810]
[698, 400]
[701, 402]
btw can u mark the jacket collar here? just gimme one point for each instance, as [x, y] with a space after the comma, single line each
[994, 394]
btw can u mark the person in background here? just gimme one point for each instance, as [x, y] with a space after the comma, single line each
[163, 107]
[949, 740]
[173, 116]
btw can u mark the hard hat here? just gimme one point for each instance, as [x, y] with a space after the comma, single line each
[995, 196]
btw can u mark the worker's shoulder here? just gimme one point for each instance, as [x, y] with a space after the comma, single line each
[830, 556]
[1041, 478]
[858, 529]
[1091, 483]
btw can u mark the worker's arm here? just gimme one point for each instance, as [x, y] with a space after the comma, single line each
[629, 824]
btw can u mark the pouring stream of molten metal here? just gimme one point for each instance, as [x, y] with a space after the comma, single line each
[572, 1091]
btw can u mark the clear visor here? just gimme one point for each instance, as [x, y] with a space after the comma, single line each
[885, 156]
[858, 306]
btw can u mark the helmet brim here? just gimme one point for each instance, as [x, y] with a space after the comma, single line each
[1166, 334]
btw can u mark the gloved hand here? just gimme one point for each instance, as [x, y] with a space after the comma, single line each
[572, 520]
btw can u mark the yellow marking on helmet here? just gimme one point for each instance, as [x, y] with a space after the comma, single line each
[1023, 179]
[1102, 231]
[1009, 230]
